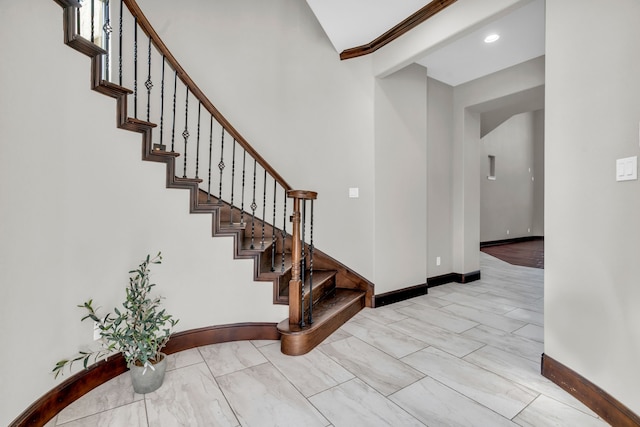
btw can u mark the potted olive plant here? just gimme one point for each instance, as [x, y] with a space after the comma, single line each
[139, 330]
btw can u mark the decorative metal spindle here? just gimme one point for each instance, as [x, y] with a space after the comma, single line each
[148, 84]
[210, 152]
[93, 19]
[273, 227]
[244, 162]
[106, 28]
[162, 104]
[233, 177]
[284, 228]
[120, 48]
[221, 166]
[79, 29]
[135, 67]
[303, 266]
[198, 142]
[311, 265]
[185, 133]
[253, 206]
[264, 206]
[173, 126]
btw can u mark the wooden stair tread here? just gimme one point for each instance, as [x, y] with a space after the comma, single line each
[187, 180]
[328, 316]
[165, 153]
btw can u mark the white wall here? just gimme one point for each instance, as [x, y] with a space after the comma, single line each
[400, 179]
[592, 321]
[470, 100]
[538, 174]
[508, 202]
[271, 70]
[79, 209]
[439, 167]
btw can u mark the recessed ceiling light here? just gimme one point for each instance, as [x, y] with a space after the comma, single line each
[491, 38]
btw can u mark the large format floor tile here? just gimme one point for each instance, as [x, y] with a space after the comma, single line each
[189, 397]
[261, 396]
[545, 411]
[354, 403]
[493, 391]
[384, 373]
[382, 337]
[435, 404]
[310, 373]
[462, 355]
[113, 394]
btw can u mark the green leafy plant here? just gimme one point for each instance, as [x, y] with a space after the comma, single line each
[139, 330]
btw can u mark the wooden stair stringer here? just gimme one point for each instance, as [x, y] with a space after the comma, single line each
[350, 293]
[123, 121]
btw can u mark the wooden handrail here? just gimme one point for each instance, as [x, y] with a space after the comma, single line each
[403, 27]
[146, 27]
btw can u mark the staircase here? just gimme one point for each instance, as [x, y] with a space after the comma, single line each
[249, 202]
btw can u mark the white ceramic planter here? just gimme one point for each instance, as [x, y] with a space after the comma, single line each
[149, 380]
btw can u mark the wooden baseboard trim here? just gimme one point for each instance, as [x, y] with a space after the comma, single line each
[400, 295]
[507, 241]
[468, 277]
[598, 400]
[422, 289]
[45, 408]
[442, 279]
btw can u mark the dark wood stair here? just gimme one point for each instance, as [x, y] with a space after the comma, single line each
[338, 292]
[328, 315]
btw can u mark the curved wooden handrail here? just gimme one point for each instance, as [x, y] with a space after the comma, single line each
[403, 27]
[148, 29]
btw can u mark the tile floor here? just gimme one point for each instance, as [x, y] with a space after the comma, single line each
[463, 355]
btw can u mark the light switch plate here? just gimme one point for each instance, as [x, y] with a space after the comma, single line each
[627, 169]
[354, 192]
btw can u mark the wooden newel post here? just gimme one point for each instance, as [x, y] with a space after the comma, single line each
[296, 313]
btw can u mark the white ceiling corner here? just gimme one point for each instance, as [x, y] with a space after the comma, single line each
[456, 62]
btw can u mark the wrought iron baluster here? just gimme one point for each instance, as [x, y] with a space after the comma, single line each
[264, 206]
[253, 206]
[173, 127]
[148, 83]
[78, 20]
[161, 146]
[106, 28]
[198, 142]
[244, 158]
[221, 166]
[210, 153]
[311, 265]
[273, 227]
[185, 132]
[93, 19]
[233, 177]
[135, 67]
[120, 48]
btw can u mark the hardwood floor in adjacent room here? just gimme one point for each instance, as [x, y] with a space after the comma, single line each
[526, 254]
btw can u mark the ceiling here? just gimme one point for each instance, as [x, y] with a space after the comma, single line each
[459, 61]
